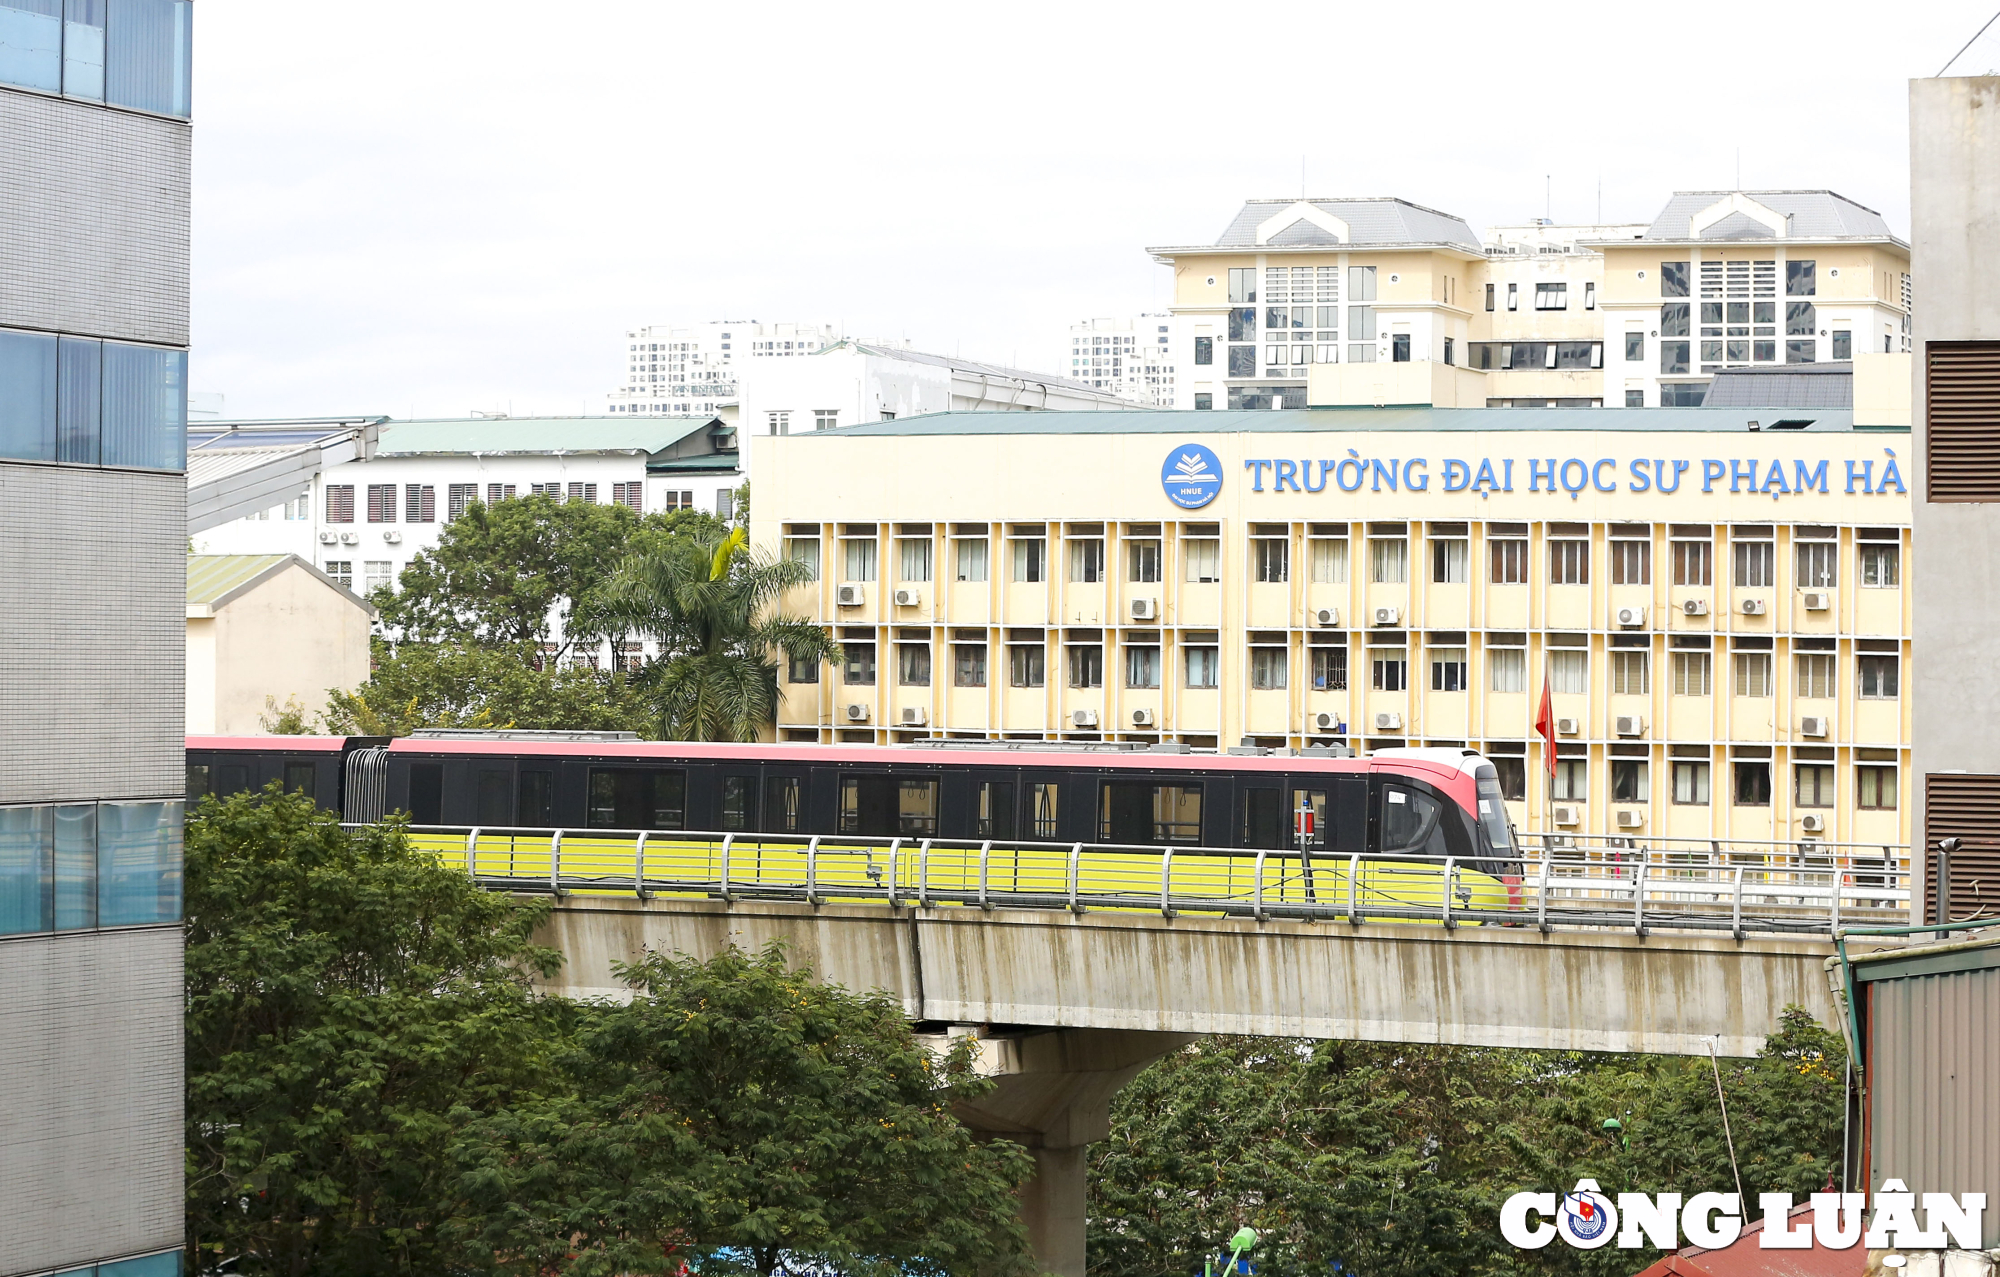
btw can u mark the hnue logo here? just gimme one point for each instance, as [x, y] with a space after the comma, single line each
[1192, 476]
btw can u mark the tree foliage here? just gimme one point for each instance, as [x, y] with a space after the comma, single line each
[462, 684]
[1394, 1160]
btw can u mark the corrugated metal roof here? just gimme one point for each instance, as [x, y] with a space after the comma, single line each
[973, 367]
[213, 576]
[1244, 421]
[1786, 386]
[1376, 220]
[1808, 215]
[536, 435]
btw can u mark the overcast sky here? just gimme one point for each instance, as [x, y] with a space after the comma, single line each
[434, 206]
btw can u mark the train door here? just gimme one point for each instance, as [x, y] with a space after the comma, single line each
[736, 799]
[784, 804]
[1325, 814]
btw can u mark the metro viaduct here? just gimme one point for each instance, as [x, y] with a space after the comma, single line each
[1069, 1006]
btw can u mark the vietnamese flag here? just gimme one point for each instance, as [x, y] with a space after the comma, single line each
[1545, 725]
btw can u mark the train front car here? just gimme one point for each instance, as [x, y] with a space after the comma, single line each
[1442, 846]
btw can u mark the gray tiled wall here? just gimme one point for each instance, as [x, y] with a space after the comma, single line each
[90, 1112]
[93, 220]
[91, 688]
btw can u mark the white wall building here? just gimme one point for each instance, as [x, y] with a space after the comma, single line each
[851, 382]
[695, 370]
[1131, 357]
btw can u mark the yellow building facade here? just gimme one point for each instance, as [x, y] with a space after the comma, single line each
[1718, 612]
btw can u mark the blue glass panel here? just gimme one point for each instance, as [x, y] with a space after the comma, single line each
[167, 1264]
[83, 49]
[138, 863]
[24, 869]
[27, 395]
[147, 47]
[76, 867]
[79, 399]
[31, 43]
[145, 407]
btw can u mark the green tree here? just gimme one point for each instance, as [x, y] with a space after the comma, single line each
[351, 1002]
[712, 607]
[740, 1116]
[462, 684]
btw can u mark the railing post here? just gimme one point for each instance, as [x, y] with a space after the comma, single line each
[471, 855]
[895, 867]
[1736, 912]
[639, 868]
[555, 863]
[1450, 868]
[985, 856]
[924, 874]
[812, 871]
[1639, 899]
[728, 842]
[1257, 888]
[1353, 889]
[1166, 882]
[1833, 912]
[1075, 872]
[1542, 894]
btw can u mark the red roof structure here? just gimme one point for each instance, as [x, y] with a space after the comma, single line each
[1743, 1257]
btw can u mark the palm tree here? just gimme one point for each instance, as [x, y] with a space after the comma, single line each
[710, 603]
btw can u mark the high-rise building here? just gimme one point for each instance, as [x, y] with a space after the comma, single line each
[696, 370]
[94, 125]
[1132, 357]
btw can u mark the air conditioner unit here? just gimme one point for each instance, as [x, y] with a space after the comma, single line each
[329, 538]
[1388, 615]
[1628, 725]
[909, 596]
[1326, 722]
[847, 596]
[914, 716]
[1753, 607]
[857, 713]
[1388, 721]
[1695, 607]
[1818, 600]
[392, 537]
[350, 538]
[1144, 718]
[1567, 814]
[1631, 618]
[1812, 725]
[1145, 609]
[1568, 727]
[1630, 818]
[1084, 717]
[1813, 824]
[1327, 616]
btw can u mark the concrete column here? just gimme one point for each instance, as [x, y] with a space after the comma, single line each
[1052, 1094]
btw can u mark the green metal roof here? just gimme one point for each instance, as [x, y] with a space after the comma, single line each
[536, 435]
[1279, 421]
[212, 577]
[708, 463]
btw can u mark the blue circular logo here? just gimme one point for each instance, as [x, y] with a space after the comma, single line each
[1192, 476]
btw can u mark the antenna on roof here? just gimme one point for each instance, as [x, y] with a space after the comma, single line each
[1548, 198]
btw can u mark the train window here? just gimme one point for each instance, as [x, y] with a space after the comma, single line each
[299, 778]
[492, 797]
[1492, 813]
[426, 793]
[781, 805]
[736, 801]
[888, 807]
[537, 794]
[995, 817]
[1042, 806]
[1263, 818]
[1410, 822]
[637, 798]
[232, 778]
[197, 782]
[1144, 813]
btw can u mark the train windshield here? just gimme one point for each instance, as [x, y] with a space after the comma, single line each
[1492, 811]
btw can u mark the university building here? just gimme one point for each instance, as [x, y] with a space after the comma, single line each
[1715, 600]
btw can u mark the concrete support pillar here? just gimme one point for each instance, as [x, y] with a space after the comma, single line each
[1052, 1094]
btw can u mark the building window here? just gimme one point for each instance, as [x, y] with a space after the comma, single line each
[1877, 786]
[419, 503]
[1242, 285]
[1878, 677]
[1086, 665]
[1590, 296]
[1273, 558]
[913, 664]
[804, 550]
[1489, 297]
[1399, 348]
[1756, 565]
[1753, 673]
[376, 575]
[381, 503]
[1569, 671]
[913, 556]
[1571, 782]
[1204, 403]
[1142, 667]
[1142, 560]
[1551, 297]
[1329, 560]
[583, 493]
[1448, 561]
[860, 559]
[342, 572]
[143, 59]
[1508, 668]
[1026, 665]
[1815, 676]
[1843, 344]
[826, 418]
[1086, 561]
[1799, 279]
[778, 422]
[1449, 669]
[1447, 352]
[1880, 566]
[1030, 559]
[802, 669]
[1694, 563]
[1203, 556]
[971, 556]
[1818, 564]
[1690, 783]
[1691, 674]
[1513, 297]
[498, 492]
[968, 665]
[630, 495]
[1513, 776]
[1569, 563]
[1510, 561]
[1243, 361]
[1389, 669]
[1631, 563]
[1628, 780]
[340, 503]
[1673, 279]
[1201, 666]
[858, 667]
[458, 496]
[1753, 783]
[1268, 668]
[1204, 351]
[1635, 399]
[1800, 352]
[1635, 348]
[1630, 673]
[1813, 784]
[1388, 560]
[1329, 669]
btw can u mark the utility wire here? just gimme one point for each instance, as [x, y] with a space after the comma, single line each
[1968, 44]
[1741, 1203]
